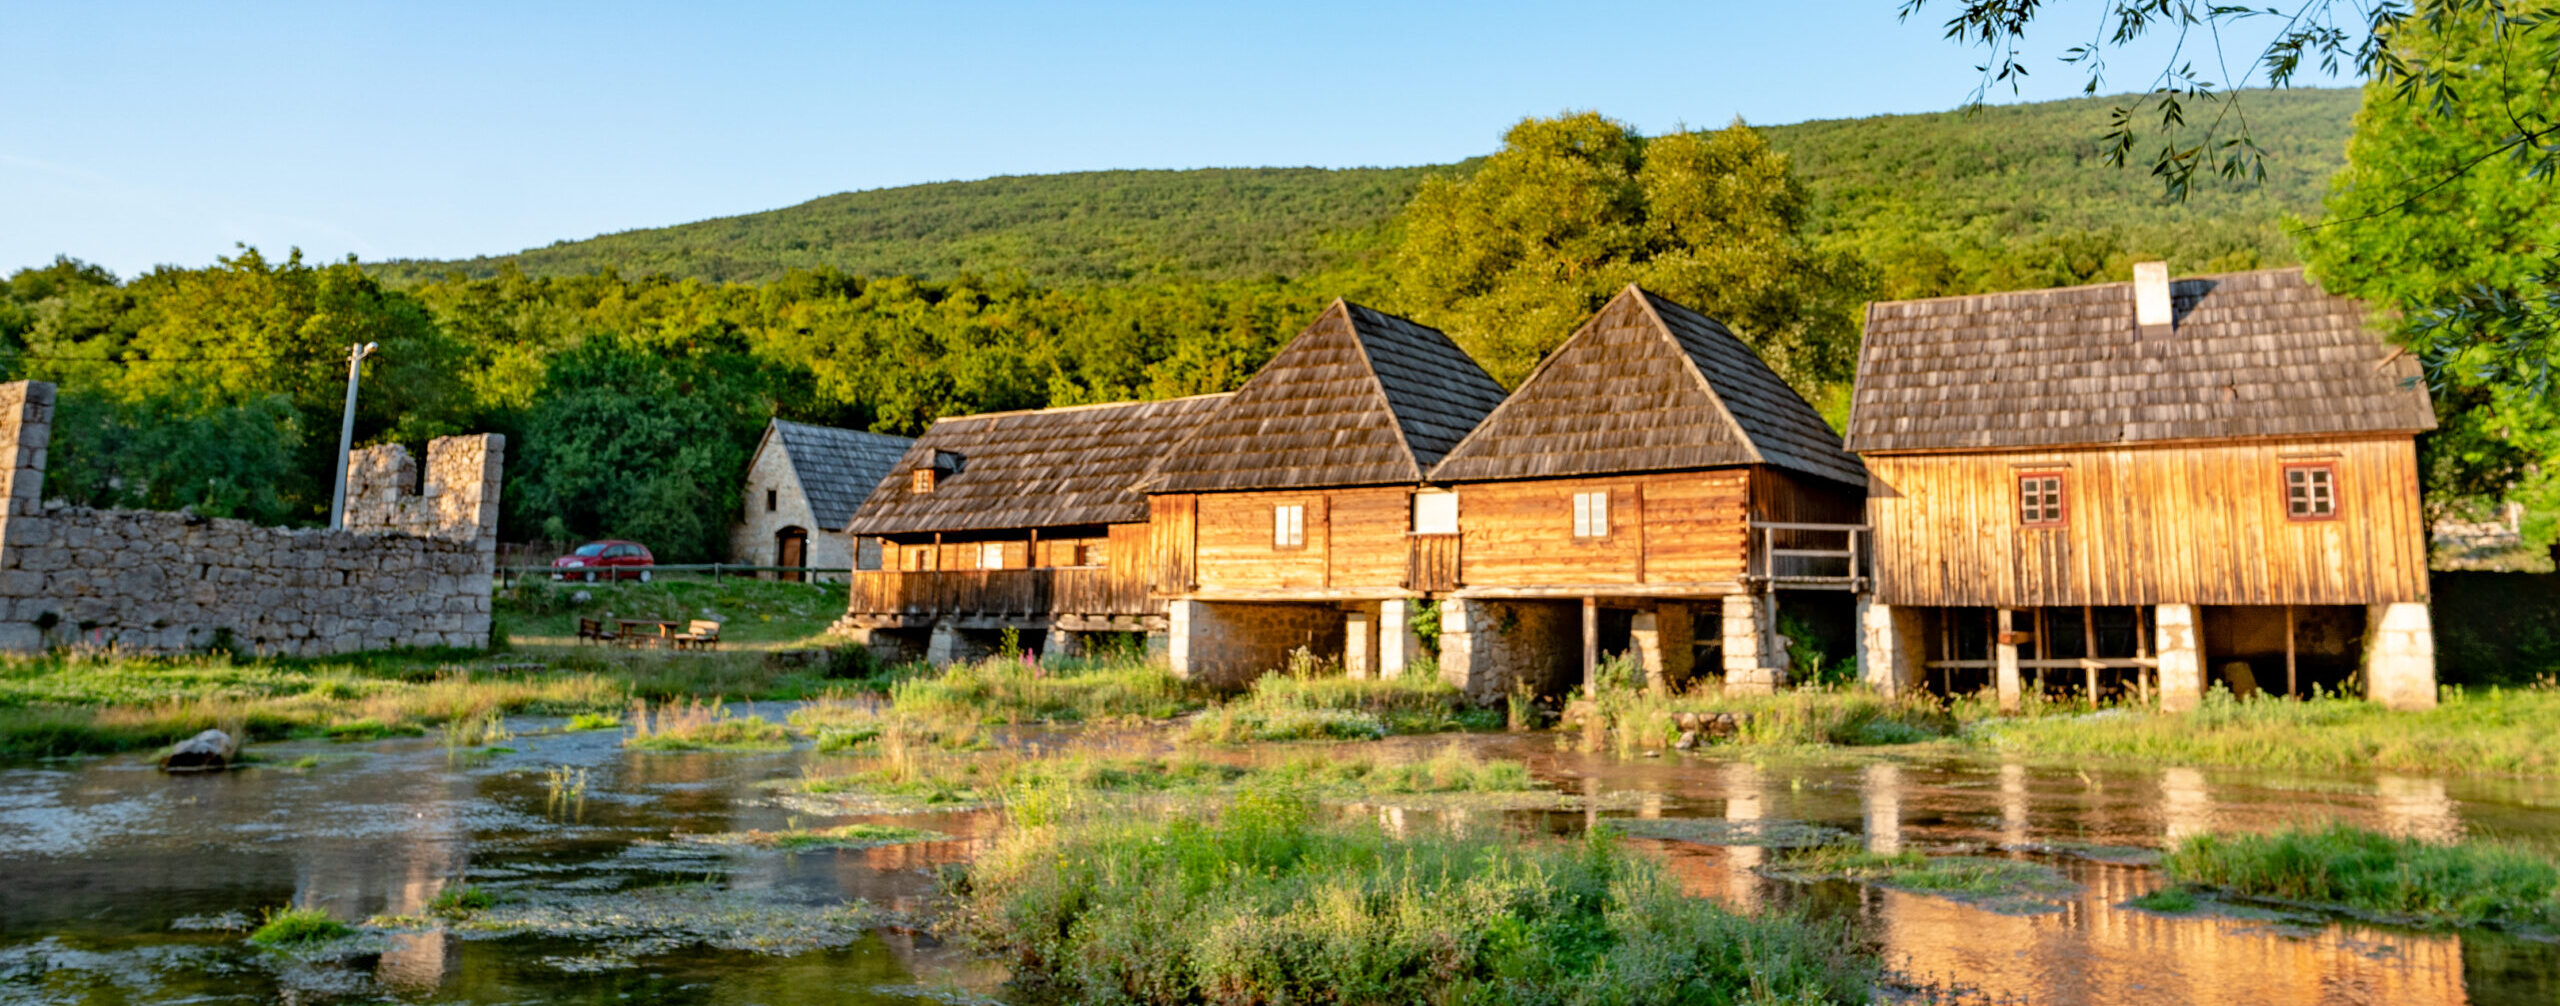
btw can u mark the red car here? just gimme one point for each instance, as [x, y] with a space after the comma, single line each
[611, 559]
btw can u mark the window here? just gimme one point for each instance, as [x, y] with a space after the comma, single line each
[2040, 499]
[2310, 492]
[1435, 512]
[991, 555]
[921, 481]
[1289, 526]
[770, 501]
[1591, 514]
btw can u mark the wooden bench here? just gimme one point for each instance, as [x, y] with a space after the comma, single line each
[593, 630]
[701, 634]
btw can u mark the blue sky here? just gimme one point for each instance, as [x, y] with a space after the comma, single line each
[136, 134]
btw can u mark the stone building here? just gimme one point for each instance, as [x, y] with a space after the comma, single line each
[413, 568]
[2144, 488]
[802, 488]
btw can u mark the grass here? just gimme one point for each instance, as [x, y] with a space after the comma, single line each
[297, 927]
[592, 721]
[2171, 900]
[850, 836]
[698, 725]
[2488, 731]
[1016, 690]
[754, 614]
[2428, 884]
[1999, 884]
[1303, 703]
[1639, 720]
[1270, 900]
[459, 901]
[835, 722]
[933, 778]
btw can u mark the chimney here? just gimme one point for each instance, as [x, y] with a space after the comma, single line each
[2151, 298]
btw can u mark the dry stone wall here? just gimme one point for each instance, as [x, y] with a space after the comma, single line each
[413, 568]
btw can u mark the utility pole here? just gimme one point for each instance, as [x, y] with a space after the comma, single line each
[347, 435]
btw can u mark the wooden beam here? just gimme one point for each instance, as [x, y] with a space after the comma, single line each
[1591, 646]
[2292, 682]
[2089, 647]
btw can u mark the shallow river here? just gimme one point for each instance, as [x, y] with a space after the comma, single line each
[122, 885]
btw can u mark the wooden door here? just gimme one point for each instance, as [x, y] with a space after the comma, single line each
[791, 550]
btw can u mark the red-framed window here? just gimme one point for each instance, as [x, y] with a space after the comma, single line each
[2043, 499]
[2311, 491]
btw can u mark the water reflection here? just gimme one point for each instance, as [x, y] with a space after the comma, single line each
[1882, 795]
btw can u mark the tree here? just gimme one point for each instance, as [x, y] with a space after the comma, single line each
[1510, 259]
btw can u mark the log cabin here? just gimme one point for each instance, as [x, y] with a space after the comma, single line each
[2144, 488]
[803, 486]
[1651, 476]
[1025, 521]
[1293, 517]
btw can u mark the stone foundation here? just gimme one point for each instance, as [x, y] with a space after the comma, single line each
[1489, 648]
[1398, 647]
[2400, 656]
[2180, 648]
[413, 568]
[1663, 647]
[1891, 640]
[1228, 644]
[1755, 658]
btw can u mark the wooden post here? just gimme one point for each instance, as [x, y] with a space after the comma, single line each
[2089, 649]
[1591, 646]
[2292, 686]
[1031, 557]
[2142, 648]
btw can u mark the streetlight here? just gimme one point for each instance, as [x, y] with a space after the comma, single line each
[347, 435]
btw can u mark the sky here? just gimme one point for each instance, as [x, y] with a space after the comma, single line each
[137, 134]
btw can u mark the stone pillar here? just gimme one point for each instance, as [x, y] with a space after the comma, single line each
[1359, 637]
[1662, 638]
[943, 647]
[2004, 655]
[1182, 618]
[1755, 659]
[1397, 645]
[26, 429]
[1890, 647]
[2400, 656]
[2180, 648]
[1061, 643]
[1458, 642]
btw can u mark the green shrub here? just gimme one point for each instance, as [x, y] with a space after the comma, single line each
[2470, 883]
[295, 927]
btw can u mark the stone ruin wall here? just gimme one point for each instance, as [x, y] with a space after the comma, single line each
[413, 568]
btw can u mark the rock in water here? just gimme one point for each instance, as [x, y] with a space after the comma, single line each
[210, 751]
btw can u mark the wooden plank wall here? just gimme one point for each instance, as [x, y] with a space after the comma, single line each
[1676, 528]
[2201, 524]
[1128, 556]
[1173, 527]
[1355, 541]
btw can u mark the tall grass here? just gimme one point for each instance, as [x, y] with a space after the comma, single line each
[1809, 716]
[695, 724]
[2470, 883]
[1312, 705]
[1014, 690]
[80, 704]
[2492, 731]
[1269, 901]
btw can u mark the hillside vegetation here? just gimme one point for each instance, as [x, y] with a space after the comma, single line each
[1937, 189]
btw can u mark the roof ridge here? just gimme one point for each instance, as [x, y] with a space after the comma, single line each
[1662, 329]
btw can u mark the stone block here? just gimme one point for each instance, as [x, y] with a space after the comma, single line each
[2400, 656]
[2180, 649]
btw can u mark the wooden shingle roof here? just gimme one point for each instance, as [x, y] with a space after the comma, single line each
[1359, 398]
[1649, 385]
[1041, 468]
[2252, 354]
[836, 468]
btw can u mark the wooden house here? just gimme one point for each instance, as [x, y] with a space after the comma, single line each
[802, 488]
[2146, 486]
[1651, 476]
[1026, 521]
[1290, 517]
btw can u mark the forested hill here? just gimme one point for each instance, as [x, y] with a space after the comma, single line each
[1916, 193]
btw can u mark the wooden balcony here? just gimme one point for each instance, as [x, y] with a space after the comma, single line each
[1431, 564]
[1834, 556]
[1081, 592]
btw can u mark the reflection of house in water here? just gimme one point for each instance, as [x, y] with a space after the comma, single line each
[394, 869]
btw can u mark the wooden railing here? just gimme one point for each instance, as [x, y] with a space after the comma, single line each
[1079, 590]
[1431, 563]
[1810, 555]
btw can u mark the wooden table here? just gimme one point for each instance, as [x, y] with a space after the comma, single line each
[664, 630]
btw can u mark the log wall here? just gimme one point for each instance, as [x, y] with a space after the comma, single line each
[2158, 524]
[1663, 529]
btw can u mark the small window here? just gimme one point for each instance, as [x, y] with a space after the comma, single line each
[1435, 512]
[921, 481]
[991, 555]
[2310, 492]
[771, 501]
[2040, 500]
[1289, 526]
[1591, 514]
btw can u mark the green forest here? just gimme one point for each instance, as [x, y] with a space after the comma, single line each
[632, 372]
